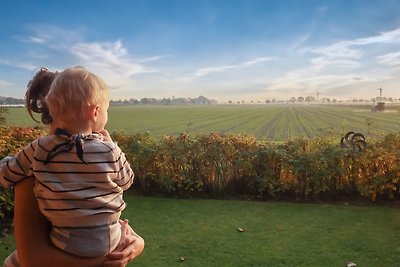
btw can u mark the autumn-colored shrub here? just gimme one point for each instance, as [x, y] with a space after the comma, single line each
[221, 165]
[239, 165]
[12, 140]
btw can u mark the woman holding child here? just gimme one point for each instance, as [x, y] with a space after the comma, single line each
[79, 155]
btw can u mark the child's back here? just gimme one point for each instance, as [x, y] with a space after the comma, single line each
[80, 177]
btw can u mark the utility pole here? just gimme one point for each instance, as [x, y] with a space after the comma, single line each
[380, 93]
[317, 96]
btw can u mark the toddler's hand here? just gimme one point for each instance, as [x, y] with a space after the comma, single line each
[125, 232]
[131, 245]
[106, 135]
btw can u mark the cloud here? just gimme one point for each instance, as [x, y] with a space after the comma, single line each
[213, 69]
[340, 49]
[346, 49]
[37, 40]
[254, 61]
[32, 39]
[299, 42]
[384, 37]
[391, 59]
[52, 36]
[307, 81]
[205, 71]
[19, 65]
[110, 58]
[208, 70]
[345, 54]
[152, 59]
[63, 47]
[4, 84]
[322, 62]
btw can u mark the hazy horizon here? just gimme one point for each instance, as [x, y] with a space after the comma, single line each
[224, 50]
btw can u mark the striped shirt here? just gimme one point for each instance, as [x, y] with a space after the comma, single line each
[12, 260]
[71, 191]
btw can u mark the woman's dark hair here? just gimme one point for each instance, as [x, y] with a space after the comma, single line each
[35, 96]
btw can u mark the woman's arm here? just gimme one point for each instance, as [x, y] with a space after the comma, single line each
[32, 234]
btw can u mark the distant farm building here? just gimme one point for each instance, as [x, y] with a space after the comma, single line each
[380, 106]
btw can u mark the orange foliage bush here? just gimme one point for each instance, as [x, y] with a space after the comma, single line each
[12, 140]
[221, 165]
[240, 166]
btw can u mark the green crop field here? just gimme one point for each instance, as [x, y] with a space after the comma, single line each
[265, 122]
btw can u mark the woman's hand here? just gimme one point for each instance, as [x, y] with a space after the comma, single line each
[130, 246]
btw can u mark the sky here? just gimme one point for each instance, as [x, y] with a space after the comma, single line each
[222, 49]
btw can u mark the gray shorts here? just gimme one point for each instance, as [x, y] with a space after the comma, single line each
[89, 242]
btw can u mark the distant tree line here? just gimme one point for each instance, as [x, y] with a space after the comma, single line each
[312, 99]
[201, 100]
[11, 101]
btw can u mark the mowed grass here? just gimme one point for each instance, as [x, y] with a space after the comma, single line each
[203, 232]
[265, 122]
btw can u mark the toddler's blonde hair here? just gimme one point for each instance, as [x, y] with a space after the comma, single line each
[72, 92]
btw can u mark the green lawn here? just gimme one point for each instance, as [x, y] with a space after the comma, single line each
[204, 232]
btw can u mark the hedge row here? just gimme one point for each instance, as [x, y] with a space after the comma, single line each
[239, 165]
[12, 139]
[222, 165]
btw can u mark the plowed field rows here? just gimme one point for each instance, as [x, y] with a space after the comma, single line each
[265, 122]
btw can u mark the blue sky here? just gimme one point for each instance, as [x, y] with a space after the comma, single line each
[221, 49]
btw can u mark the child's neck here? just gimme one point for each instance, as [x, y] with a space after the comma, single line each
[76, 129]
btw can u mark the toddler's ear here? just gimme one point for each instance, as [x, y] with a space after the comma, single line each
[92, 112]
